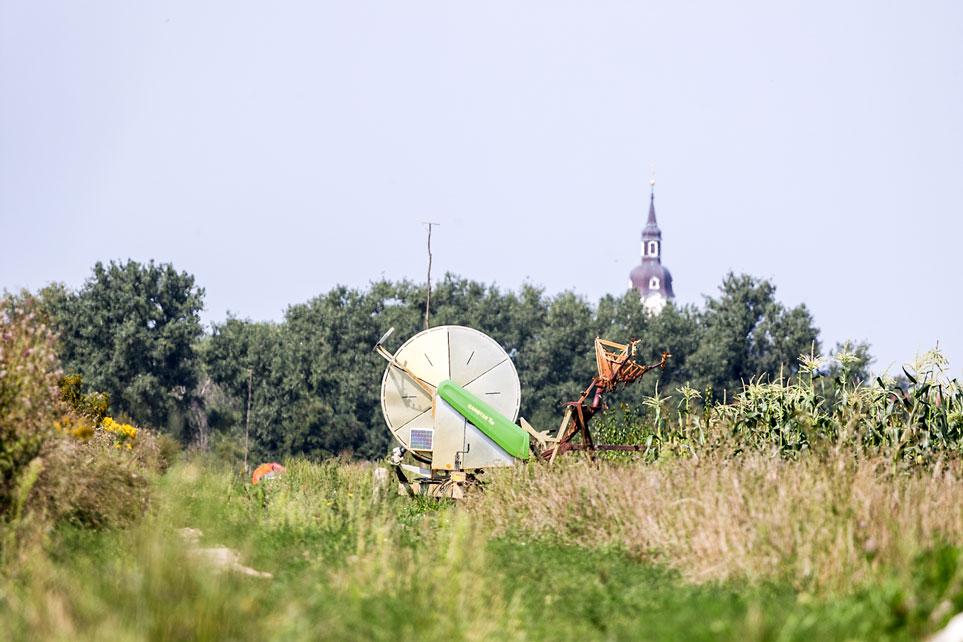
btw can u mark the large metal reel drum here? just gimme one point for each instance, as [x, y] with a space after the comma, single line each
[464, 355]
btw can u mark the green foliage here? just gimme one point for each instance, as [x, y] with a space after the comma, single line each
[315, 382]
[558, 362]
[624, 424]
[130, 331]
[57, 463]
[850, 362]
[350, 562]
[92, 484]
[133, 331]
[92, 405]
[747, 334]
[916, 422]
[934, 591]
[29, 404]
[168, 451]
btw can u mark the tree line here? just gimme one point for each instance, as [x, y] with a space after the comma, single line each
[312, 382]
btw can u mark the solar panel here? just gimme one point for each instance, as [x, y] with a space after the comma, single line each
[421, 438]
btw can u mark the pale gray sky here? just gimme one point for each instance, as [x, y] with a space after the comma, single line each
[275, 149]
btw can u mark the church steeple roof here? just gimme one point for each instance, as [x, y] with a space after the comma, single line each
[652, 279]
[651, 220]
[651, 229]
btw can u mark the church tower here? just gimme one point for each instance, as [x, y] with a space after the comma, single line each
[650, 278]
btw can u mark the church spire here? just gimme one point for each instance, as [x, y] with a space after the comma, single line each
[651, 221]
[652, 280]
[651, 230]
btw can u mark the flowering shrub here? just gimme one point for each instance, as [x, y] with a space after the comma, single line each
[124, 434]
[95, 475]
[29, 370]
[86, 413]
[61, 457]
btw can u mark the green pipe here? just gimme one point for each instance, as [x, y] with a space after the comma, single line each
[497, 426]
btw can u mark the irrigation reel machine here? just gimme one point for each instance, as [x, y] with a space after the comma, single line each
[450, 396]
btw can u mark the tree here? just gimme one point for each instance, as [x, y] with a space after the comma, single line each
[558, 361]
[747, 333]
[316, 381]
[851, 361]
[131, 331]
[240, 353]
[675, 330]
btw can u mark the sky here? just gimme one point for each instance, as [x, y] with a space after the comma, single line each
[275, 150]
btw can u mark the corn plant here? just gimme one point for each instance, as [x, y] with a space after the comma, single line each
[914, 419]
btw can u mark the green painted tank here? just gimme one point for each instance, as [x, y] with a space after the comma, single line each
[497, 426]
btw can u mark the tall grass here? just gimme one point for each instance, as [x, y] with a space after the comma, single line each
[820, 525]
[353, 561]
[348, 563]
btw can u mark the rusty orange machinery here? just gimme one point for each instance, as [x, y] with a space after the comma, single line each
[617, 368]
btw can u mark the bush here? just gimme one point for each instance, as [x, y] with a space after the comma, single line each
[96, 479]
[90, 483]
[29, 400]
[62, 459]
[168, 450]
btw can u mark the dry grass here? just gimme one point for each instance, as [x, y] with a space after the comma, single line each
[92, 484]
[822, 524]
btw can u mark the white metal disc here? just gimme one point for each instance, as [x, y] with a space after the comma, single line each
[468, 357]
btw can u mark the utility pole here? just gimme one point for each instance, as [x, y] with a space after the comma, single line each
[247, 419]
[430, 224]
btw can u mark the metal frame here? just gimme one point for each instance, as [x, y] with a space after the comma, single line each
[616, 369]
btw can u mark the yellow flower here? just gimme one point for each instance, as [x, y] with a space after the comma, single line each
[84, 431]
[124, 431]
[76, 427]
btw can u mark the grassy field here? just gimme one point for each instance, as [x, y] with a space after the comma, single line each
[752, 549]
[812, 507]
